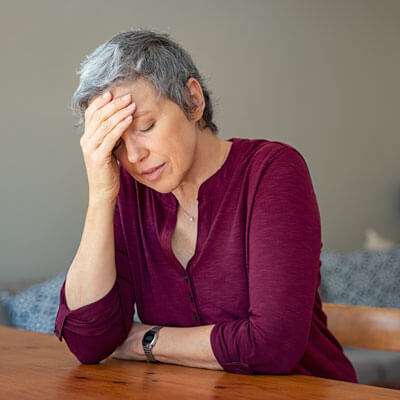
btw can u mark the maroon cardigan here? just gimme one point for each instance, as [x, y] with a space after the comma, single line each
[255, 272]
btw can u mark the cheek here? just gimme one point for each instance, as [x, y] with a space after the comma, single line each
[178, 153]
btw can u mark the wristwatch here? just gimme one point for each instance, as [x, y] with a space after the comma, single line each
[148, 342]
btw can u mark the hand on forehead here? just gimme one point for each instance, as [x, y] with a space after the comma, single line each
[142, 93]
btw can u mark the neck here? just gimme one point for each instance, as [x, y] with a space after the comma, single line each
[209, 156]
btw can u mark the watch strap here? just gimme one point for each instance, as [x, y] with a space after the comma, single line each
[147, 348]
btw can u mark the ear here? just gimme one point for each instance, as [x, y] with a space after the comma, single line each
[196, 98]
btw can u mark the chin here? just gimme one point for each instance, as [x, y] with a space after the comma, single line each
[160, 187]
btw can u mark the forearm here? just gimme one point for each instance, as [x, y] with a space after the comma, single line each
[93, 332]
[92, 273]
[186, 346]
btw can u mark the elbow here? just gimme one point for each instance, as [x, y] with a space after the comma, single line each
[94, 349]
[256, 350]
[88, 359]
[89, 362]
[89, 352]
[286, 365]
[277, 355]
[283, 364]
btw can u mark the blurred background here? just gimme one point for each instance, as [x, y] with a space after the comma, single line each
[322, 76]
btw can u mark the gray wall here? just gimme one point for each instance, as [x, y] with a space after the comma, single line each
[322, 76]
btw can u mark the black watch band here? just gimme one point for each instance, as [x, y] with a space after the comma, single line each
[149, 340]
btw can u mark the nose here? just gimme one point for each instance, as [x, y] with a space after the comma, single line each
[135, 150]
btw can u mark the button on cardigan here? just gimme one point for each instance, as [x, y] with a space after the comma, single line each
[255, 272]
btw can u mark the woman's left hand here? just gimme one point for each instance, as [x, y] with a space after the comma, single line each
[131, 348]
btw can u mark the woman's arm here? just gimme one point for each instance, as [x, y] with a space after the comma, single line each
[186, 346]
[95, 316]
[284, 244]
[190, 347]
[92, 273]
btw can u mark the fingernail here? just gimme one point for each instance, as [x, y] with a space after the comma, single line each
[106, 94]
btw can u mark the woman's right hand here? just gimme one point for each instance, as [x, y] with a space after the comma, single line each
[105, 122]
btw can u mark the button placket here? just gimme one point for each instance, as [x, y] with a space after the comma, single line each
[196, 316]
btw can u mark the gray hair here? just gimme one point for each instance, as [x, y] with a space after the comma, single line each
[141, 53]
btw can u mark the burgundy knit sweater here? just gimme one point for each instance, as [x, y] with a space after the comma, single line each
[255, 272]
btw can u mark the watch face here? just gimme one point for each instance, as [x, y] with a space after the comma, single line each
[148, 338]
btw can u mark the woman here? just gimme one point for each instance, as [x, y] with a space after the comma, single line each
[217, 242]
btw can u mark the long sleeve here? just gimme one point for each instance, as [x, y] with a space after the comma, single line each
[94, 331]
[284, 244]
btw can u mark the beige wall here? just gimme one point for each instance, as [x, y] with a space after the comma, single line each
[320, 75]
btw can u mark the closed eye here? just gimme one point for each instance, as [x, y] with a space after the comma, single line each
[149, 128]
[120, 141]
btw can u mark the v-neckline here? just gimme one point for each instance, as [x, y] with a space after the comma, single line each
[183, 246]
[203, 218]
[168, 232]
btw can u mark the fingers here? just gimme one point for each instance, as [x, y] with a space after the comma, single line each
[106, 120]
[109, 124]
[110, 141]
[102, 108]
[96, 104]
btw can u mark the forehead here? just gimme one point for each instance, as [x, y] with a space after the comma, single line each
[142, 92]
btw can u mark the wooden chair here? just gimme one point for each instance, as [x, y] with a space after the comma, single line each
[365, 327]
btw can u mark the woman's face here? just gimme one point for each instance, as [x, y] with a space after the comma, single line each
[159, 134]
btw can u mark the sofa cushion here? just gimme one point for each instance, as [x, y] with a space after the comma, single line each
[35, 308]
[362, 277]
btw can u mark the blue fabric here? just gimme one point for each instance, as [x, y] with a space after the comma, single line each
[35, 308]
[362, 277]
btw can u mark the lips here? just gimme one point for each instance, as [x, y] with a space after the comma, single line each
[150, 170]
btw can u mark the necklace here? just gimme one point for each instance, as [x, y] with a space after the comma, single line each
[191, 217]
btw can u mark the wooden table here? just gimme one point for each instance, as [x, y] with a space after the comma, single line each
[38, 366]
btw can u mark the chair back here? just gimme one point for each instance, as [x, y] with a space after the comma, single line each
[364, 327]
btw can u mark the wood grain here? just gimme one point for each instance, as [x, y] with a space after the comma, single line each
[34, 365]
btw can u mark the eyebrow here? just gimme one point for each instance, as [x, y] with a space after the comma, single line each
[139, 114]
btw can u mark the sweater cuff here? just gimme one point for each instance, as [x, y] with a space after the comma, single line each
[234, 366]
[90, 320]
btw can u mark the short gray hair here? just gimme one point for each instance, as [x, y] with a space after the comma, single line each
[141, 53]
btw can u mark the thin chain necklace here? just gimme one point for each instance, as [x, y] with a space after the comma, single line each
[191, 217]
